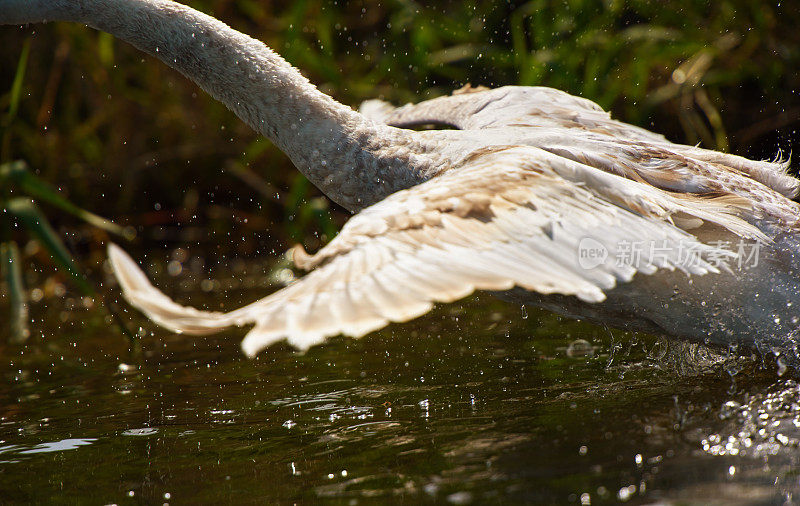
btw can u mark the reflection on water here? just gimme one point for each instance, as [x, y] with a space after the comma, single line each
[472, 404]
[56, 446]
[767, 423]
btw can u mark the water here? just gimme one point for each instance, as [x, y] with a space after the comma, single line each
[470, 404]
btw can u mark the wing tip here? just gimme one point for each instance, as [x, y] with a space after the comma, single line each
[250, 346]
[126, 270]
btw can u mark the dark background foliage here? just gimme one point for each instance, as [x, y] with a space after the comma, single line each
[124, 136]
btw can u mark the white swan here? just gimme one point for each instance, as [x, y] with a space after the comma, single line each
[537, 194]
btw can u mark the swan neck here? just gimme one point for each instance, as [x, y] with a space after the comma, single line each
[338, 149]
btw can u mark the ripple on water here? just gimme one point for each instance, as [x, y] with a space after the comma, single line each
[144, 431]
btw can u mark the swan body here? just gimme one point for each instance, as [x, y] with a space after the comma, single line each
[537, 195]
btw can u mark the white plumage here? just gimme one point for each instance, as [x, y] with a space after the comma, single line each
[505, 203]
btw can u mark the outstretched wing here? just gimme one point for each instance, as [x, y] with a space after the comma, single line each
[508, 106]
[581, 130]
[517, 216]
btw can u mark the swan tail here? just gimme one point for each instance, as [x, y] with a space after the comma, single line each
[142, 295]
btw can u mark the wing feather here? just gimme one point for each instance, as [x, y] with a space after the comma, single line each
[581, 130]
[439, 241]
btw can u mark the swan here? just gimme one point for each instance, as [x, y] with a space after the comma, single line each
[535, 194]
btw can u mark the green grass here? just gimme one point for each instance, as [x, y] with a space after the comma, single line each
[22, 219]
[20, 216]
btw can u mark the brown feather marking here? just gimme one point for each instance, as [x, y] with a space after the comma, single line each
[468, 88]
[301, 259]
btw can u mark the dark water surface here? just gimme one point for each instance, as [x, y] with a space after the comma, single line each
[478, 402]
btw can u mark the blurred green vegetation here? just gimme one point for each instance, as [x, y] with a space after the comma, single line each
[121, 134]
[19, 192]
